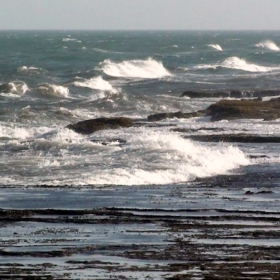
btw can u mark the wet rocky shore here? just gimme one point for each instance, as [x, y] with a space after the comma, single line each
[225, 227]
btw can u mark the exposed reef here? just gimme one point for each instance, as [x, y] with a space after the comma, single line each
[90, 126]
[230, 94]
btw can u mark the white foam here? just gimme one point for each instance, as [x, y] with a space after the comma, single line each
[71, 40]
[241, 64]
[149, 69]
[216, 47]
[13, 132]
[237, 63]
[165, 158]
[52, 90]
[29, 70]
[97, 83]
[14, 89]
[269, 45]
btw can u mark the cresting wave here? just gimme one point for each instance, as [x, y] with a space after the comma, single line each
[13, 89]
[97, 83]
[216, 47]
[147, 157]
[269, 45]
[238, 64]
[165, 158]
[51, 90]
[147, 69]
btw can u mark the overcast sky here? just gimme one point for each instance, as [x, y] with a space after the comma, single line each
[140, 14]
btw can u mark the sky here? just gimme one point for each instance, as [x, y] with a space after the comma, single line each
[140, 14]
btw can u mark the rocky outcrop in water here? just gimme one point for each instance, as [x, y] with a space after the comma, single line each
[235, 138]
[90, 126]
[244, 109]
[231, 94]
[179, 115]
[231, 109]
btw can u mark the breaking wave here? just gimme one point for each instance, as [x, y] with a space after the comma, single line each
[165, 158]
[51, 90]
[269, 45]
[216, 47]
[29, 70]
[242, 64]
[97, 83]
[13, 89]
[148, 69]
[238, 64]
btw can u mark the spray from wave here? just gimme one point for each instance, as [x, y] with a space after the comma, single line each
[269, 45]
[147, 69]
[97, 83]
[242, 64]
[238, 64]
[216, 47]
[165, 158]
[13, 89]
[51, 90]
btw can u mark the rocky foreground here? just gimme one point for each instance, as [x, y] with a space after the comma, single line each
[223, 228]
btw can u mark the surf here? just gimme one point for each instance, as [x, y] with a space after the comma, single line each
[269, 45]
[147, 69]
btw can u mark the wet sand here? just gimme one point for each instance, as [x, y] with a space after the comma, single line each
[226, 227]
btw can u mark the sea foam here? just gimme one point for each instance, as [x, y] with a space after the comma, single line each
[52, 90]
[216, 47]
[241, 64]
[148, 69]
[97, 83]
[237, 63]
[269, 45]
[13, 89]
[166, 158]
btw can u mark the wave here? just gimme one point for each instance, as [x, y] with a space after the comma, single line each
[242, 64]
[97, 83]
[238, 64]
[51, 90]
[269, 45]
[71, 40]
[216, 47]
[166, 158]
[13, 89]
[29, 70]
[148, 69]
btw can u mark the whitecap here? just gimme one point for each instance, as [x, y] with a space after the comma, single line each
[13, 89]
[241, 64]
[97, 83]
[238, 64]
[216, 47]
[29, 70]
[165, 158]
[149, 69]
[71, 40]
[269, 45]
[51, 90]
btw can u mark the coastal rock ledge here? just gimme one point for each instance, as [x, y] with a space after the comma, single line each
[231, 109]
[92, 125]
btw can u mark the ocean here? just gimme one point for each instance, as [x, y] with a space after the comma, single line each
[146, 201]
[50, 79]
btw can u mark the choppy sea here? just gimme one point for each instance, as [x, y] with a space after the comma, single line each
[49, 79]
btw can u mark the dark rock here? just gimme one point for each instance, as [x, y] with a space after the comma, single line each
[179, 115]
[197, 94]
[90, 126]
[6, 88]
[244, 109]
[238, 138]
[232, 94]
